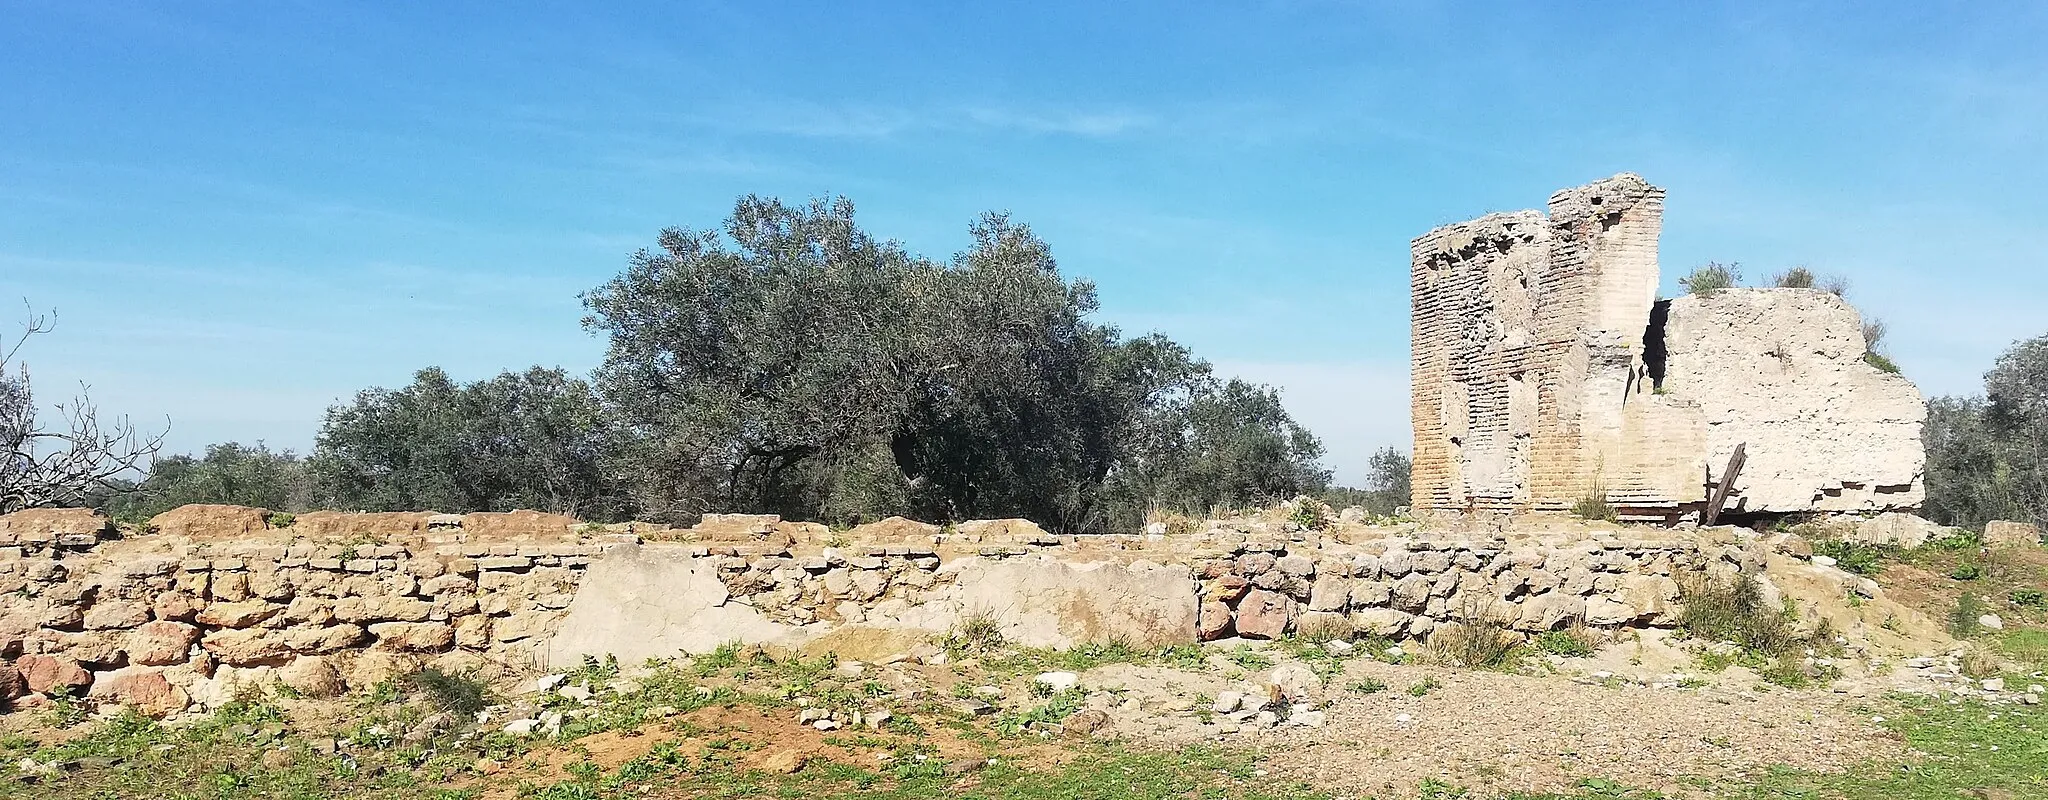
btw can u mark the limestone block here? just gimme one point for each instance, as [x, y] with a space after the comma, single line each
[1384, 622]
[47, 524]
[45, 674]
[232, 587]
[1215, 621]
[1254, 564]
[1432, 561]
[473, 631]
[314, 610]
[107, 615]
[1296, 565]
[202, 521]
[12, 685]
[1411, 592]
[1898, 530]
[144, 689]
[176, 605]
[1604, 611]
[161, 643]
[246, 646]
[651, 601]
[319, 638]
[1332, 592]
[1370, 594]
[2001, 533]
[413, 636]
[364, 670]
[1264, 614]
[1550, 611]
[312, 676]
[238, 615]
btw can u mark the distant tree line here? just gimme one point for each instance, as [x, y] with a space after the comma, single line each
[791, 363]
[1987, 455]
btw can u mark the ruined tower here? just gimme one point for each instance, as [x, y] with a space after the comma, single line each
[1545, 370]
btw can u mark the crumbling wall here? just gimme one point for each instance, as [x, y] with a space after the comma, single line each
[1545, 371]
[162, 623]
[1782, 372]
[1530, 387]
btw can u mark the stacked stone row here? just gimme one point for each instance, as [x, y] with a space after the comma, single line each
[1407, 589]
[85, 625]
[836, 585]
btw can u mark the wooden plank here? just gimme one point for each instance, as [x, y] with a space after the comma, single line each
[1720, 496]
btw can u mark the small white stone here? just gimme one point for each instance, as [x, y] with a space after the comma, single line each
[825, 725]
[1403, 719]
[1992, 622]
[1059, 681]
[1339, 647]
[547, 682]
[1227, 702]
[1992, 684]
[1306, 719]
[576, 693]
[522, 727]
[1824, 561]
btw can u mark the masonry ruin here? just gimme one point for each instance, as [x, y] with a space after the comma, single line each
[1546, 370]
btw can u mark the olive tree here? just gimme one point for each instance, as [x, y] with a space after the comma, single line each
[789, 362]
[1987, 457]
[530, 439]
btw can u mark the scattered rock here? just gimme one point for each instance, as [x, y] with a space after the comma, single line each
[1082, 723]
[1294, 680]
[1058, 681]
[1991, 622]
[2001, 533]
[957, 768]
[782, 762]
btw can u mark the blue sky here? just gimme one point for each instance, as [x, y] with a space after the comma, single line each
[244, 212]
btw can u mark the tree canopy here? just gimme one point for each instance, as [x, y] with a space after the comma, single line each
[795, 364]
[1987, 457]
[530, 439]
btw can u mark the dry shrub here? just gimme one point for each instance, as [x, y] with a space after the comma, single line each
[1325, 628]
[1733, 610]
[1476, 642]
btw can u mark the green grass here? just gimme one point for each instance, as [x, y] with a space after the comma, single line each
[1102, 772]
[1968, 746]
[1091, 655]
[1857, 557]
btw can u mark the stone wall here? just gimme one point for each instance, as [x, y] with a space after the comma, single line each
[1545, 372]
[167, 621]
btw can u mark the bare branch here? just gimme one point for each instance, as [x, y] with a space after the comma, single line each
[66, 466]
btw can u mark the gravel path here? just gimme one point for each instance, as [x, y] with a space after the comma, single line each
[1497, 733]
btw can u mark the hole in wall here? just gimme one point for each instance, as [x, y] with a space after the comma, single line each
[1654, 353]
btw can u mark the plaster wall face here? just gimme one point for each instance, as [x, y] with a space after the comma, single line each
[1783, 371]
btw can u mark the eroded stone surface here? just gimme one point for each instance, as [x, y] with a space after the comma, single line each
[1545, 371]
